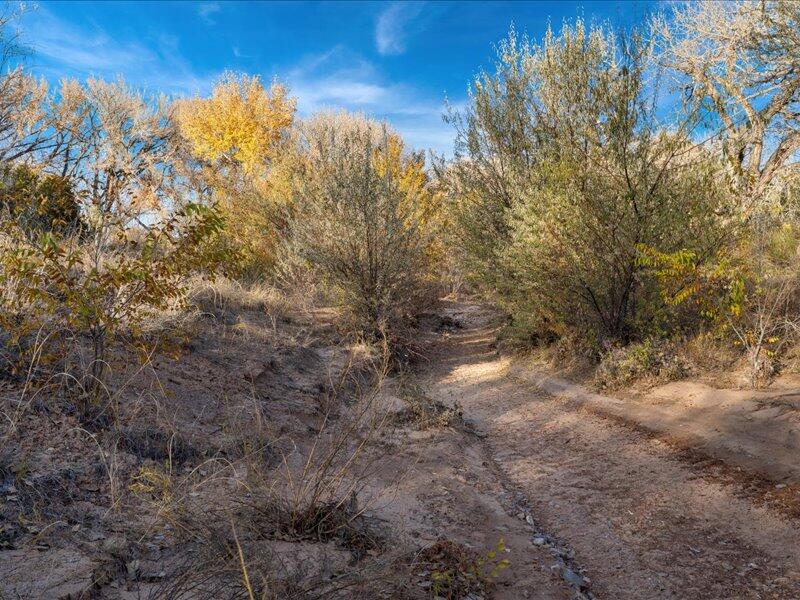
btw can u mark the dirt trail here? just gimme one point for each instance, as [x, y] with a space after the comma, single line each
[641, 522]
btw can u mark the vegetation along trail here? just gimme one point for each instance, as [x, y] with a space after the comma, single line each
[252, 324]
[639, 521]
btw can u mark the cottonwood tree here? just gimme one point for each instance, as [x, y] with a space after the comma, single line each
[741, 64]
[145, 229]
[24, 124]
[240, 137]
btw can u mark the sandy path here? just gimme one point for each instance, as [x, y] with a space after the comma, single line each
[641, 523]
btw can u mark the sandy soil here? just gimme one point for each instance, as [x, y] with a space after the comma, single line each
[589, 501]
[641, 519]
[72, 537]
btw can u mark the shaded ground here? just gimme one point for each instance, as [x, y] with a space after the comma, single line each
[482, 461]
[156, 508]
[642, 520]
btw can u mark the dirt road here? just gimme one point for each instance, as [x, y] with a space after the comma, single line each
[639, 520]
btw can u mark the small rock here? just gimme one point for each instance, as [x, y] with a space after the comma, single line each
[115, 546]
[133, 570]
[780, 486]
[529, 520]
[573, 578]
[539, 541]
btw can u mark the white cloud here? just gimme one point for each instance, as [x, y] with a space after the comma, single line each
[336, 79]
[205, 10]
[341, 79]
[391, 28]
[61, 49]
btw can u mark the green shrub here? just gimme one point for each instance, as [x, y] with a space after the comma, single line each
[355, 223]
[565, 173]
[658, 361]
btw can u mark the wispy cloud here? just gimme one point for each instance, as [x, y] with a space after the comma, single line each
[206, 10]
[341, 79]
[337, 79]
[61, 49]
[392, 26]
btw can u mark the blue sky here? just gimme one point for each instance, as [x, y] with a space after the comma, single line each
[392, 60]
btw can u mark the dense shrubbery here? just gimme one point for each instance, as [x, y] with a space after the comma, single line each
[110, 201]
[598, 180]
[588, 210]
[140, 235]
[656, 360]
[38, 201]
[576, 200]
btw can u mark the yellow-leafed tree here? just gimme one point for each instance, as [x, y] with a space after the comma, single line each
[240, 136]
[420, 201]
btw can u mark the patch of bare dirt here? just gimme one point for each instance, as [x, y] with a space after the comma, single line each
[189, 491]
[476, 478]
[641, 516]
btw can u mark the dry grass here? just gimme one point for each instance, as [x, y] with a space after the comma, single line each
[311, 492]
[231, 295]
[421, 411]
[229, 497]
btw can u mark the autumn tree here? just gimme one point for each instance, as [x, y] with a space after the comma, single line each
[24, 124]
[143, 232]
[240, 138]
[740, 63]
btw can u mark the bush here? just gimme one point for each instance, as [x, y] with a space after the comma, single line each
[37, 201]
[62, 285]
[357, 225]
[142, 238]
[567, 174]
[658, 361]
